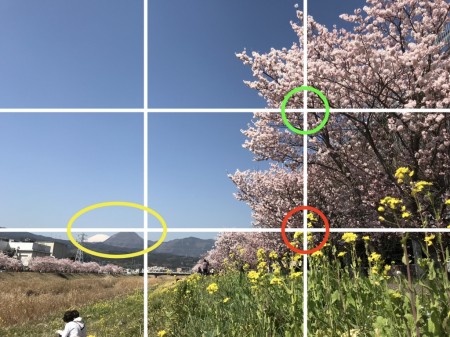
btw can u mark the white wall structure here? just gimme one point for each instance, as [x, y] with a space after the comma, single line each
[27, 250]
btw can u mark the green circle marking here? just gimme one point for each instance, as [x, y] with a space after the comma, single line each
[292, 93]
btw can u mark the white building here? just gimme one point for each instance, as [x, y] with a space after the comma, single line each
[25, 251]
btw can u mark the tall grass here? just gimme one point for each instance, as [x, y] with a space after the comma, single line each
[31, 296]
[342, 301]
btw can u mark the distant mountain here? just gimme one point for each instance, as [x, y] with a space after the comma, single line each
[125, 240]
[193, 247]
[98, 238]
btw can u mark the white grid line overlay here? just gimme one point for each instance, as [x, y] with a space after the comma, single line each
[222, 230]
[218, 110]
[145, 121]
[146, 110]
[305, 167]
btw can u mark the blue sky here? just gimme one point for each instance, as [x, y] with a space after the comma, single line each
[88, 54]
[56, 164]
[71, 54]
[192, 46]
[190, 156]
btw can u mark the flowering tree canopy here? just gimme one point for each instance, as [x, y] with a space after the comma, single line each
[49, 264]
[9, 263]
[391, 59]
[365, 169]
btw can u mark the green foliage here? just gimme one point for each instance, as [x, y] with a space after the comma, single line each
[342, 301]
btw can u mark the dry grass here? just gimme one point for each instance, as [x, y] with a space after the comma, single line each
[30, 296]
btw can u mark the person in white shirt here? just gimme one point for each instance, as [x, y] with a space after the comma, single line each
[74, 327]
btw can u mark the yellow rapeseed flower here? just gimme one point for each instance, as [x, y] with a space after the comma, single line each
[447, 202]
[225, 300]
[273, 255]
[374, 257]
[311, 217]
[162, 333]
[317, 254]
[402, 172]
[253, 276]
[261, 254]
[276, 280]
[381, 218]
[406, 215]
[391, 202]
[419, 186]
[342, 254]
[380, 209]
[212, 288]
[298, 235]
[295, 275]
[429, 239]
[366, 238]
[349, 237]
[262, 265]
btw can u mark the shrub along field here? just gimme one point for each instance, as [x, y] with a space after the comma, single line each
[342, 301]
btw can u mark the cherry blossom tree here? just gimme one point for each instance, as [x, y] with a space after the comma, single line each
[9, 263]
[392, 58]
[48, 264]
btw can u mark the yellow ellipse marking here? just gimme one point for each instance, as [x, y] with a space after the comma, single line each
[117, 203]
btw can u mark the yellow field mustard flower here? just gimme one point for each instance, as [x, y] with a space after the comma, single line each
[429, 239]
[374, 270]
[419, 186]
[311, 217]
[261, 254]
[447, 202]
[225, 300]
[374, 257]
[212, 288]
[246, 266]
[310, 224]
[162, 333]
[406, 215]
[295, 275]
[381, 209]
[262, 265]
[381, 218]
[366, 238]
[395, 294]
[317, 254]
[273, 255]
[276, 280]
[391, 202]
[253, 276]
[402, 172]
[298, 235]
[349, 237]
[403, 209]
[341, 254]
